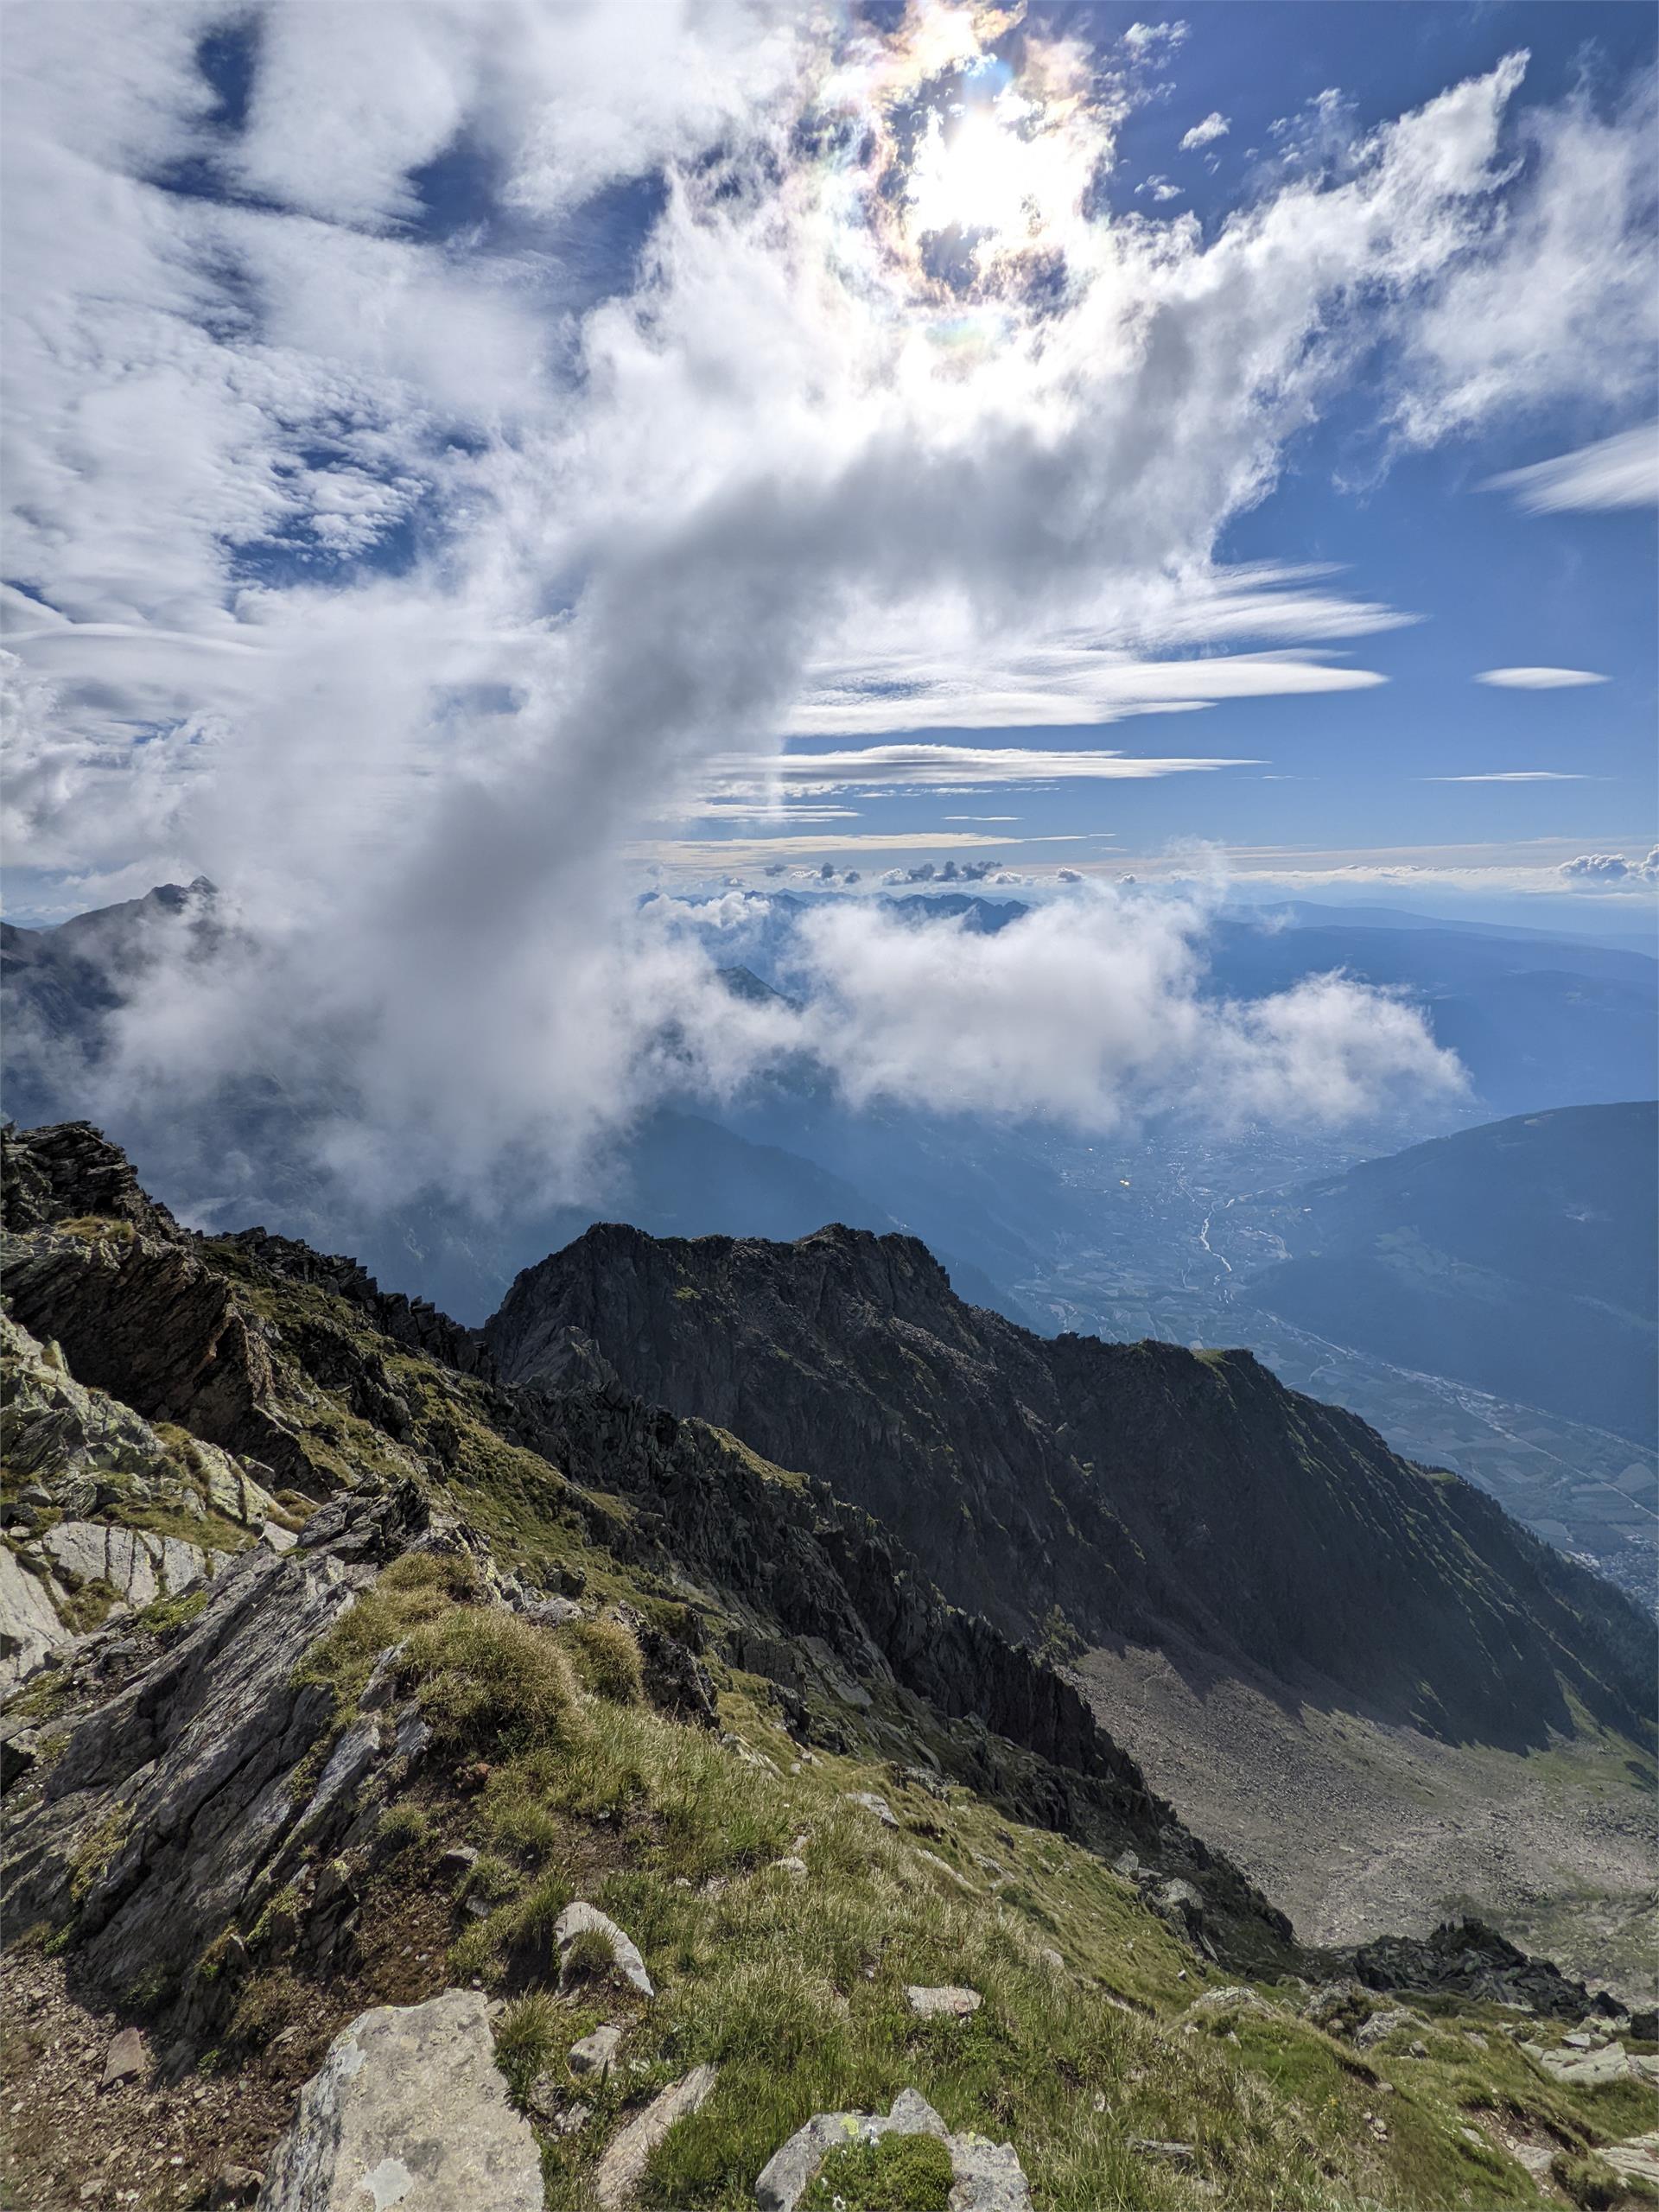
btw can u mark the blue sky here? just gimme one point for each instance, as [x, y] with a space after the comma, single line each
[468, 465]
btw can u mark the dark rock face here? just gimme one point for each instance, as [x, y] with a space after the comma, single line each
[70, 1170]
[817, 1576]
[1151, 1492]
[1465, 1958]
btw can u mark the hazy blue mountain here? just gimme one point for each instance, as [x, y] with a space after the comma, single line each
[1537, 1021]
[1517, 1256]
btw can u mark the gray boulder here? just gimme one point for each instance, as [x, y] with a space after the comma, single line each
[408, 2109]
[872, 1803]
[946, 2004]
[1372, 2031]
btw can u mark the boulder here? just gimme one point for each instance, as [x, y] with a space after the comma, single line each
[583, 1919]
[408, 2109]
[1372, 2031]
[1637, 2160]
[623, 2165]
[872, 1803]
[1583, 2069]
[126, 2061]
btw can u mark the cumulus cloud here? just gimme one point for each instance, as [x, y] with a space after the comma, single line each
[1613, 871]
[422, 481]
[1617, 472]
[1538, 679]
[1093, 1010]
[1215, 126]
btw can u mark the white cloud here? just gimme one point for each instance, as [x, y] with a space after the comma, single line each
[1512, 776]
[1617, 472]
[1047, 685]
[1558, 300]
[1093, 1010]
[949, 767]
[401, 580]
[1538, 679]
[1215, 126]
[1593, 871]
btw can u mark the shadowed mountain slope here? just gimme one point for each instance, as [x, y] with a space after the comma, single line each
[1154, 1496]
[1518, 1256]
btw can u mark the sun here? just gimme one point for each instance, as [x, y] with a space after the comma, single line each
[978, 174]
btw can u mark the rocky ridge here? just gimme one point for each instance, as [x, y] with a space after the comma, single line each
[1150, 1494]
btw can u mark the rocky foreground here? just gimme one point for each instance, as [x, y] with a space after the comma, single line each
[514, 1796]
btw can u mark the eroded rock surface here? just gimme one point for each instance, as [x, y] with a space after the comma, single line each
[408, 2110]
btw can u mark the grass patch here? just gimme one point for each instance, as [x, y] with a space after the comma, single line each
[899, 2173]
[166, 1617]
[605, 1658]
[98, 1229]
[529, 2036]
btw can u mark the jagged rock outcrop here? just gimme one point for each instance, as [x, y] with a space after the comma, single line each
[414, 1322]
[1151, 1493]
[173, 1812]
[1465, 1958]
[408, 2109]
[94, 1265]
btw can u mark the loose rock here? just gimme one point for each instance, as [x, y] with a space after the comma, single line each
[595, 2054]
[582, 1919]
[623, 2164]
[127, 2059]
[948, 2002]
[872, 1803]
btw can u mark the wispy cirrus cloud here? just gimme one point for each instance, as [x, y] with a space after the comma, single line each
[1048, 685]
[1617, 472]
[1513, 776]
[935, 766]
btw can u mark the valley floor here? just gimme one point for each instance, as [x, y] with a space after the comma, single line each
[1358, 1828]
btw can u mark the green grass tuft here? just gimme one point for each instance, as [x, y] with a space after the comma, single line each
[606, 1659]
[899, 2173]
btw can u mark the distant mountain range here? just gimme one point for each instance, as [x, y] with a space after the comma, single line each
[1518, 1257]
